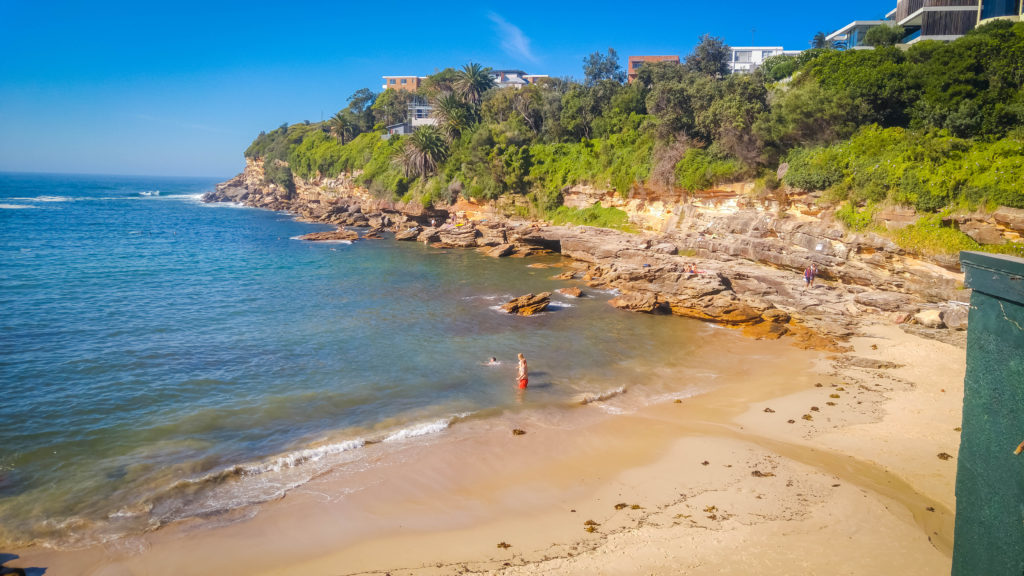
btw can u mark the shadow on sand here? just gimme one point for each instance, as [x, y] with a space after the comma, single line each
[5, 558]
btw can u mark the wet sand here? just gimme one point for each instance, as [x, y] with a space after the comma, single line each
[747, 477]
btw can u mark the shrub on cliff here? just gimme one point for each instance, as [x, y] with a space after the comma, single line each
[700, 169]
[929, 170]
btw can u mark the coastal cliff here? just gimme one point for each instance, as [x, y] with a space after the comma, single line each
[720, 255]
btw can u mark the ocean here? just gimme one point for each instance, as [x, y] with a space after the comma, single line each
[164, 359]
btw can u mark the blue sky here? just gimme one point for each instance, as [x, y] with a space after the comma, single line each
[181, 88]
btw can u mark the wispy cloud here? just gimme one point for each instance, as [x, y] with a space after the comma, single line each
[513, 41]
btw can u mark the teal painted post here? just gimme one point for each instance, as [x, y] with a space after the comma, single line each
[989, 537]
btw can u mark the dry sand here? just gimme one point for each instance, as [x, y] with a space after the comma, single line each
[799, 464]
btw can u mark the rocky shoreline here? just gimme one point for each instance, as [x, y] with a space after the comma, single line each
[736, 265]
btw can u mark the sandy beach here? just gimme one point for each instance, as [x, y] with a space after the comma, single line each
[801, 462]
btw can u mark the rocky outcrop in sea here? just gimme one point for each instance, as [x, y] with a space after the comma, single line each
[719, 257]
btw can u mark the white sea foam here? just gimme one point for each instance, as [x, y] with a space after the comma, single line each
[293, 459]
[149, 193]
[15, 206]
[419, 430]
[423, 429]
[558, 304]
[48, 199]
[591, 397]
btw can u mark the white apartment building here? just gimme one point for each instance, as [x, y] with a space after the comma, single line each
[746, 59]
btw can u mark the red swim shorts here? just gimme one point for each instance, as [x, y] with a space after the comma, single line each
[523, 382]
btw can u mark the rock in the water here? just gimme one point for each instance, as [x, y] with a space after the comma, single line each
[501, 250]
[462, 237]
[408, 234]
[955, 318]
[929, 318]
[491, 234]
[637, 302]
[573, 291]
[567, 275]
[427, 235]
[335, 235]
[528, 304]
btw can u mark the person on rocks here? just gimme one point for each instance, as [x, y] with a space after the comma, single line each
[807, 277]
[814, 274]
[523, 377]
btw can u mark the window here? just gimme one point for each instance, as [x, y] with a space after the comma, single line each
[391, 80]
[637, 64]
[742, 56]
[404, 80]
[996, 8]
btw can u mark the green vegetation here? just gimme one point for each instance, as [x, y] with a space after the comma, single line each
[930, 170]
[593, 216]
[937, 126]
[929, 236]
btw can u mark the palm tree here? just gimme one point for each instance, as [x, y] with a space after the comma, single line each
[452, 115]
[423, 151]
[472, 81]
[341, 125]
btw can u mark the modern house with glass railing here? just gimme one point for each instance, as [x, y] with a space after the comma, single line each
[943, 20]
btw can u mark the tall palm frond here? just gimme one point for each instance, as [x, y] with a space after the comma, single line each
[472, 81]
[423, 152]
[341, 126]
[452, 115]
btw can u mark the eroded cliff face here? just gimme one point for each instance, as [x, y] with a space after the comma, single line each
[786, 231]
[322, 199]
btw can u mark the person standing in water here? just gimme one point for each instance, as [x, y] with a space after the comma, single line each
[522, 377]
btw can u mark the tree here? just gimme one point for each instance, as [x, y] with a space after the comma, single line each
[884, 35]
[881, 78]
[360, 105]
[577, 114]
[820, 41]
[710, 56]
[598, 67]
[391, 107]
[472, 81]
[423, 152]
[342, 125]
[438, 83]
[452, 114]
[777, 67]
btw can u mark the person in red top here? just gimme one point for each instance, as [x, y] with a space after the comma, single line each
[523, 377]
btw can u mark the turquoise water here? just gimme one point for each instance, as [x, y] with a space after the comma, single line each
[164, 359]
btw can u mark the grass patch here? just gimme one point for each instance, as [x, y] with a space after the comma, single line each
[596, 216]
[929, 236]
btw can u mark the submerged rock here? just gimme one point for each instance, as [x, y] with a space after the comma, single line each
[528, 305]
